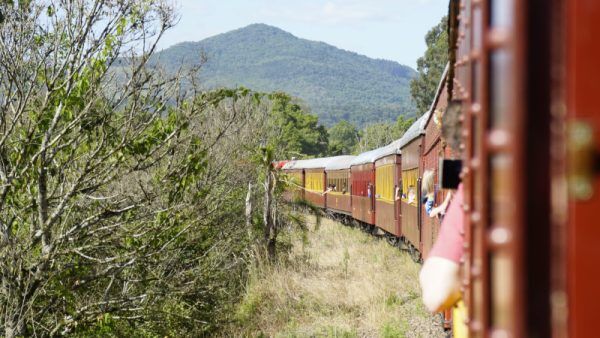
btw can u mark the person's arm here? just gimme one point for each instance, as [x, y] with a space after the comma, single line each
[439, 277]
[440, 283]
[441, 209]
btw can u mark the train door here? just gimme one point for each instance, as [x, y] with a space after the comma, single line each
[583, 145]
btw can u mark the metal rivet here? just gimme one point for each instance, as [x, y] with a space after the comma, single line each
[500, 236]
[498, 333]
[475, 271]
[475, 326]
[498, 138]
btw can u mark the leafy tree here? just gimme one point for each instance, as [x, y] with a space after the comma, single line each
[296, 132]
[430, 66]
[381, 134]
[402, 125]
[376, 135]
[343, 138]
[120, 204]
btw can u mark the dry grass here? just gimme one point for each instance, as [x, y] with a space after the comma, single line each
[342, 283]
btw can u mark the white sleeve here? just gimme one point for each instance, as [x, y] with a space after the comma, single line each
[439, 280]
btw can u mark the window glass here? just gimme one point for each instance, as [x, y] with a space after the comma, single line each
[409, 186]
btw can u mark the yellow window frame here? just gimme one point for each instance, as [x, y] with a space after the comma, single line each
[384, 183]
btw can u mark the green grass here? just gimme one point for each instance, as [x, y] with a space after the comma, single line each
[342, 283]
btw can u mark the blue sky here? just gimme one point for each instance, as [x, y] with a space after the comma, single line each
[387, 29]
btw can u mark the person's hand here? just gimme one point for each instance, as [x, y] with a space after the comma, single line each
[437, 211]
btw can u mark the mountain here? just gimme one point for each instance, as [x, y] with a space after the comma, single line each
[335, 83]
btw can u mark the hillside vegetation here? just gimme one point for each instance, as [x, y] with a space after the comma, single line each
[339, 282]
[336, 84]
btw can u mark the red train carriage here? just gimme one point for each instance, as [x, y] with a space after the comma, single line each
[362, 171]
[410, 145]
[339, 199]
[433, 152]
[527, 75]
[387, 178]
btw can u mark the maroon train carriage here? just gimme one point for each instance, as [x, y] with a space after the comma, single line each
[411, 144]
[314, 178]
[387, 179]
[339, 199]
[362, 171]
[433, 152]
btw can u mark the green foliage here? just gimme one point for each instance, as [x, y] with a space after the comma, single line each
[337, 84]
[343, 138]
[395, 329]
[381, 134]
[298, 132]
[402, 125]
[377, 135]
[430, 67]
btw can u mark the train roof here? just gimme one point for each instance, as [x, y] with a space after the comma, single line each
[340, 162]
[416, 129]
[313, 163]
[279, 164]
[373, 155]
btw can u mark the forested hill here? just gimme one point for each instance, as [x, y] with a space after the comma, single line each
[336, 84]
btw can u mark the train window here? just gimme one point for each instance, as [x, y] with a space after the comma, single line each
[314, 181]
[384, 184]
[359, 182]
[338, 180]
[500, 13]
[295, 179]
[475, 70]
[477, 28]
[501, 289]
[498, 87]
[501, 211]
[409, 186]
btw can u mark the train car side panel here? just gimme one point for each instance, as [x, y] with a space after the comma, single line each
[315, 186]
[339, 199]
[433, 152]
[386, 182]
[411, 174]
[362, 201]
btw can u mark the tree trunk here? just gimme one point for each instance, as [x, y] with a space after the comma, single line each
[268, 213]
[249, 211]
[267, 219]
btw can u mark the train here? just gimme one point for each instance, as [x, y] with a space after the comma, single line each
[380, 188]
[525, 75]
